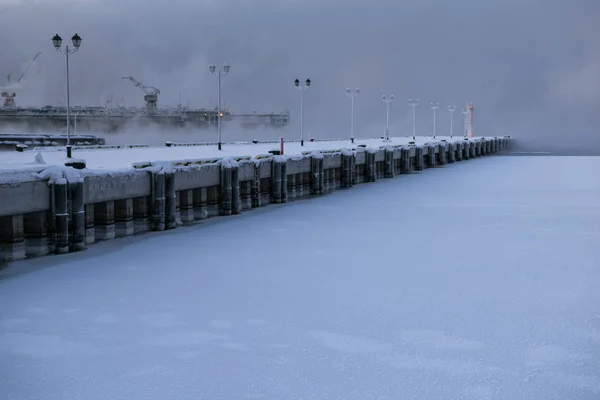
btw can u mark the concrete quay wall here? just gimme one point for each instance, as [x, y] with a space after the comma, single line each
[57, 210]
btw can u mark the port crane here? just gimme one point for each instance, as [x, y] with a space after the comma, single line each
[151, 94]
[9, 96]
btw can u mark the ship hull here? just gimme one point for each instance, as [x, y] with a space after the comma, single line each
[118, 123]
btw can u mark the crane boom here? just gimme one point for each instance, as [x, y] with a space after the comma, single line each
[28, 66]
[151, 92]
[139, 84]
[9, 96]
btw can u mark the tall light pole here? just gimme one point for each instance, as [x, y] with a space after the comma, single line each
[413, 104]
[451, 109]
[387, 101]
[302, 88]
[434, 107]
[352, 94]
[220, 73]
[57, 42]
[465, 113]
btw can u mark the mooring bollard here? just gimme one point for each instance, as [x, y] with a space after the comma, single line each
[77, 216]
[158, 202]
[61, 216]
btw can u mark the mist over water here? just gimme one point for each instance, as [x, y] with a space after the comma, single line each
[531, 67]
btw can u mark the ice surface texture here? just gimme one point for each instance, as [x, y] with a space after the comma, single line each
[460, 283]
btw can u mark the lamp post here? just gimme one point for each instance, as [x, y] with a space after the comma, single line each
[434, 107]
[451, 109]
[302, 88]
[57, 42]
[413, 104]
[387, 101]
[465, 113]
[352, 94]
[220, 73]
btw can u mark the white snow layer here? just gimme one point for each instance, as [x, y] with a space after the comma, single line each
[476, 281]
[124, 158]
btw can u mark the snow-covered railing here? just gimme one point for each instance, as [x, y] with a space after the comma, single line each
[95, 147]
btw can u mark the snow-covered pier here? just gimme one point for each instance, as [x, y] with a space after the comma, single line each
[51, 208]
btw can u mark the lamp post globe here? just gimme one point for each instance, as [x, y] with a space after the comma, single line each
[297, 83]
[212, 68]
[226, 68]
[57, 41]
[308, 82]
[76, 39]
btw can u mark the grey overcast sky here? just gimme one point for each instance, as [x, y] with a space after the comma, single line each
[531, 67]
